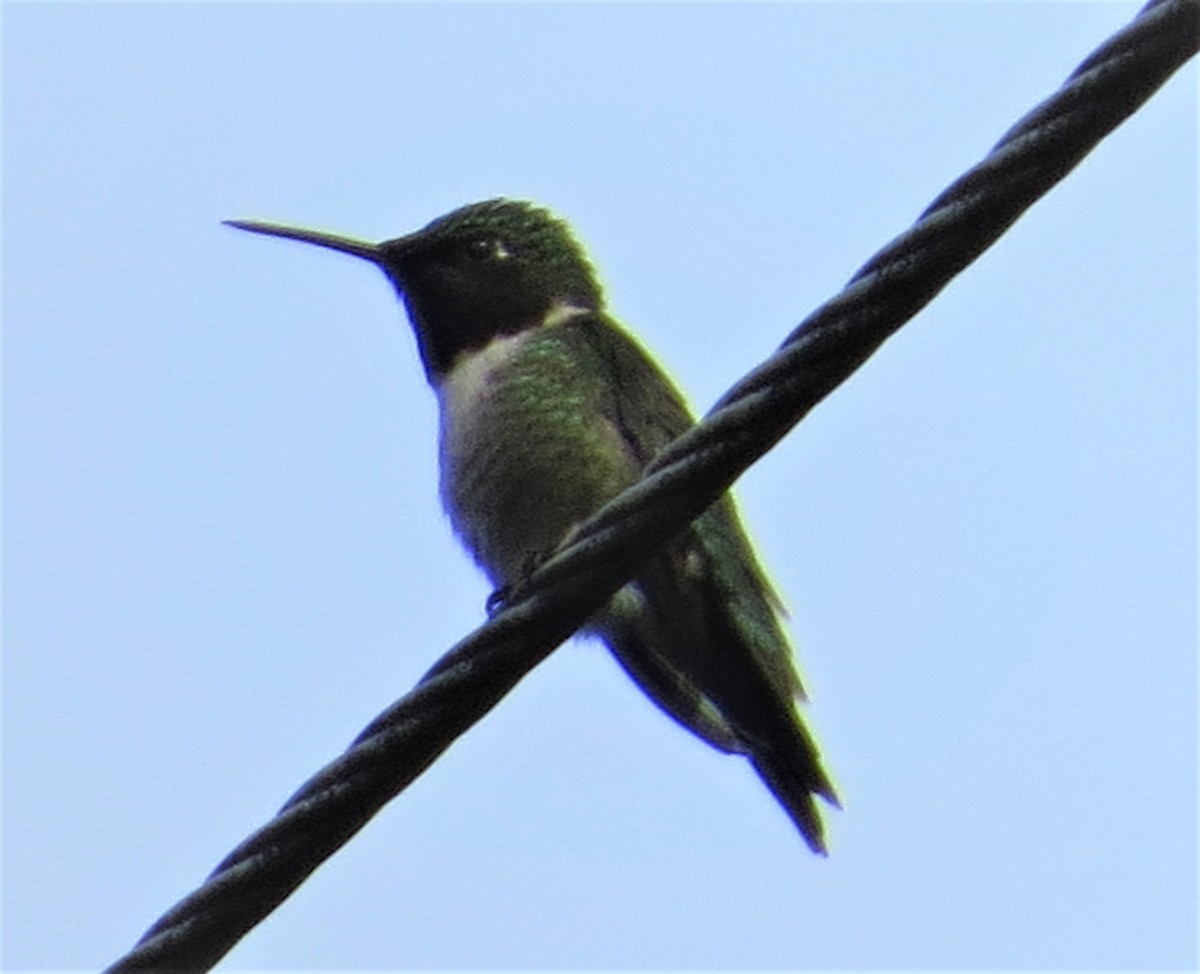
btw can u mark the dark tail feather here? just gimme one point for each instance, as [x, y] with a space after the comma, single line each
[795, 780]
[696, 657]
[674, 694]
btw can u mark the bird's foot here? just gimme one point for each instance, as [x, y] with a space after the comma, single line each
[507, 595]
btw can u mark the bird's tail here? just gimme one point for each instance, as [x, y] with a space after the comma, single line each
[796, 778]
[707, 681]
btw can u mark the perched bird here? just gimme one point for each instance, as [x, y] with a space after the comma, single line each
[548, 410]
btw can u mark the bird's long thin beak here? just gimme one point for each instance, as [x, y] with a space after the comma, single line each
[347, 245]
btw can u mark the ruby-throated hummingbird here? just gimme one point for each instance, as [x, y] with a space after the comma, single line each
[548, 410]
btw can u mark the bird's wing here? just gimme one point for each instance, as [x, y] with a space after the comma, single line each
[640, 399]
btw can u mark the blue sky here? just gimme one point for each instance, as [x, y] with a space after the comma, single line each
[224, 552]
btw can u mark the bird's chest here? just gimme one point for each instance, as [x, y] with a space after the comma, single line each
[526, 450]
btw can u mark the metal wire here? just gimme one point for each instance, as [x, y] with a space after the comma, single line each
[691, 473]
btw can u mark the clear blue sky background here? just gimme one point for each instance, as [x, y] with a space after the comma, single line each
[224, 552]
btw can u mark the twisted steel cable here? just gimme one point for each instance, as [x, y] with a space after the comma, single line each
[683, 480]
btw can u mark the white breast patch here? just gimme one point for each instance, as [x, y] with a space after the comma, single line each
[466, 387]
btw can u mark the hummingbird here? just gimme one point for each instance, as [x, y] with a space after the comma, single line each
[548, 409]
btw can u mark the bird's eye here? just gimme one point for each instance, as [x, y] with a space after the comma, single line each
[483, 249]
